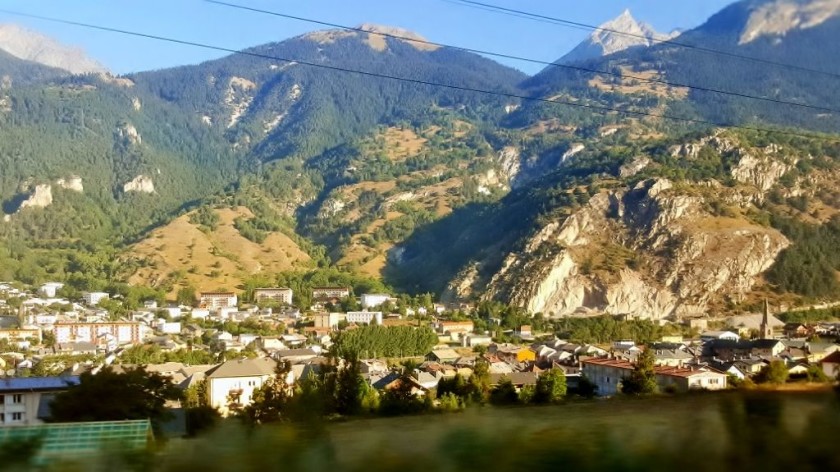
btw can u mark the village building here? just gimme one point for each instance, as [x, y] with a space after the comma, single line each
[607, 374]
[26, 400]
[217, 300]
[281, 295]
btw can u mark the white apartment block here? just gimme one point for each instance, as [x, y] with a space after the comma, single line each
[364, 317]
[124, 332]
[216, 300]
[93, 298]
[281, 295]
[24, 401]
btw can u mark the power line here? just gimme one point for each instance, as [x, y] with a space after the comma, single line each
[525, 59]
[596, 108]
[671, 42]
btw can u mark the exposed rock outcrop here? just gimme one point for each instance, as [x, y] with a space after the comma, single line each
[128, 134]
[40, 197]
[779, 17]
[140, 184]
[692, 259]
[74, 183]
[238, 98]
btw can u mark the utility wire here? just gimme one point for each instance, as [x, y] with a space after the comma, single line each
[670, 42]
[525, 59]
[596, 108]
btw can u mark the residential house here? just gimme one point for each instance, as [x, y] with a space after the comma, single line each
[50, 289]
[231, 385]
[14, 335]
[25, 401]
[512, 353]
[831, 365]
[671, 357]
[518, 379]
[461, 327]
[767, 348]
[295, 356]
[750, 366]
[795, 330]
[523, 332]
[472, 340]
[819, 351]
[607, 374]
[716, 335]
[217, 300]
[281, 295]
[443, 355]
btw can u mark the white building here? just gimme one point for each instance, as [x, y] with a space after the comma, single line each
[216, 300]
[370, 300]
[93, 298]
[49, 289]
[328, 320]
[200, 314]
[25, 400]
[124, 332]
[364, 317]
[280, 295]
[607, 374]
[170, 328]
[713, 335]
[231, 385]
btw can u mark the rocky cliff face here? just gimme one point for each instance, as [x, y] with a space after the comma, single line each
[589, 262]
[779, 17]
[656, 249]
[40, 197]
[35, 47]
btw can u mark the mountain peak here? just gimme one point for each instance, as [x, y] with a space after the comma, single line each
[375, 36]
[778, 17]
[618, 34]
[33, 46]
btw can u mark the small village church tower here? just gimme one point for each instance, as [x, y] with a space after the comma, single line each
[766, 329]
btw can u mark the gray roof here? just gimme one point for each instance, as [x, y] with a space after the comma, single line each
[517, 378]
[243, 368]
[28, 384]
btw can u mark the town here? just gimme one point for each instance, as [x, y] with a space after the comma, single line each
[227, 349]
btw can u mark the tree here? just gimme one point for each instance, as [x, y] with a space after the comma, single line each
[270, 401]
[775, 373]
[110, 396]
[478, 385]
[504, 393]
[350, 389]
[551, 387]
[186, 296]
[642, 381]
[816, 374]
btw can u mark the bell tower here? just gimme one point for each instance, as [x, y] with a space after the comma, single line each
[765, 328]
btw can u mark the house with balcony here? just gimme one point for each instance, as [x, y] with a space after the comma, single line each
[24, 401]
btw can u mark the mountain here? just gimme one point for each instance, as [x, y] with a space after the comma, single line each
[607, 39]
[778, 17]
[32, 46]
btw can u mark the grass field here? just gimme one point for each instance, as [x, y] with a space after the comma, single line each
[737, 431]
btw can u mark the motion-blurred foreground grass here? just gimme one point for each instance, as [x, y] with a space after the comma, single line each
[738, 431]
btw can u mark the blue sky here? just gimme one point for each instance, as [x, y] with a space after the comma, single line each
[437, 20]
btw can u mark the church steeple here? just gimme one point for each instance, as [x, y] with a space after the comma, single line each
[766, 329]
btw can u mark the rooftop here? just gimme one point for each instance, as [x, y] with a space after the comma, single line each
[243, 368]
[30, 384]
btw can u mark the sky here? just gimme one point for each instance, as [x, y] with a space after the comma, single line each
[440, 21]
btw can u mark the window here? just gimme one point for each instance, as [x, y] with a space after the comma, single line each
[17, 398]
[17, 416]
[2, 417]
